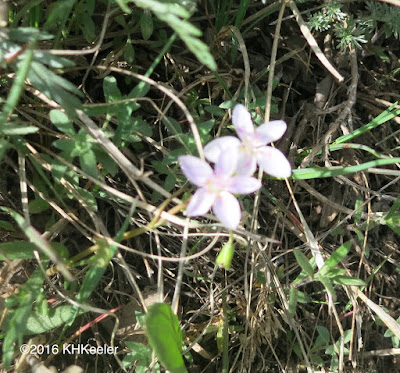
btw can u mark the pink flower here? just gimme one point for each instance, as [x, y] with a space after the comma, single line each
[217, 187]
[252, 145]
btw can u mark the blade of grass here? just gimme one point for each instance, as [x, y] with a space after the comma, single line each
[386, 115]
[18, 85]
[341, 146]
[322, 172]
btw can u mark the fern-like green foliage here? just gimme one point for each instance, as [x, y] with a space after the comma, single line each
[329, 14]
[176, 14]
[348, 31]
[389, 15]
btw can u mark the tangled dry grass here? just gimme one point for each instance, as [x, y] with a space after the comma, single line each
[249, 305]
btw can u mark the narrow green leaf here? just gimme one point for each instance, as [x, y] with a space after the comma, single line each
[393, 209]
[201, 51]
[123, 6]
[59, 13]
[165, 336]
[88, 27]
[358, 211]
[129, 52]
[146, 25]
[337, 256]
[322, 172]
[347, 280]
[4, 145]
[293, 296]
[24, 68]
[51, 60]
[27, 34]
[18, 129]
[388, 114]
[304, 263]
[24, 250]
[6, 225]
[331, 272]
[55, 87]
[328, 285]
[175, 15]
[394, 227]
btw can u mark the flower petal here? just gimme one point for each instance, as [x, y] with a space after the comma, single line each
[270, 132]
[226, 163]
[200, 203]
[273, 162]
[244, 184]
[227, 209]
[247, 164]
[214, 148]
[242, 121]
[196, 170]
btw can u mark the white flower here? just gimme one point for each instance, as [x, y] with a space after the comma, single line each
[217, 187]
[252, 147]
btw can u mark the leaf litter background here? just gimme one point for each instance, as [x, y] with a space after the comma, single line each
[152, 131]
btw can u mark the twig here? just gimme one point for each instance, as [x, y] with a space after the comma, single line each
[345, 112]
[235, 31]
[313, 43]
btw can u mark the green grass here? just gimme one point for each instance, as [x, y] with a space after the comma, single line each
[99, 99]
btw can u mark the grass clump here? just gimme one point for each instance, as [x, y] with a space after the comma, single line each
[99, 102]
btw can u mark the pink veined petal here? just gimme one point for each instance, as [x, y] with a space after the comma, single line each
[196, 170]
[242, 121]
[244, 185]
[247, 164]
[214, 148]
[200, 203]
[273, 162]
[226, 163]
[270, 132]
[227, 209]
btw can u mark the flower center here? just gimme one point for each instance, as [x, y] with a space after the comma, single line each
[217, 184]
[247, 146]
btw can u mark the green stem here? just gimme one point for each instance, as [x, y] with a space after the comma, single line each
[225, 336]
[18, 86]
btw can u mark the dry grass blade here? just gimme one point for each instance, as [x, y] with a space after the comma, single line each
[389, 321]
[313, 43]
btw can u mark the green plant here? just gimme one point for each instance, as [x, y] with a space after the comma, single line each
[349, 31]
[385, 14]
